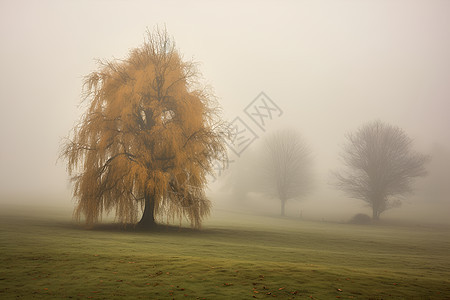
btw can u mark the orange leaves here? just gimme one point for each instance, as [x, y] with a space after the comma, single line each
[260, 288]
[147, 123]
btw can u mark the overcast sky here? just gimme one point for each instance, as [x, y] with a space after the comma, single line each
[329, 65]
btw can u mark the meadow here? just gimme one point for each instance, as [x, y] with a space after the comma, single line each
[44, 254]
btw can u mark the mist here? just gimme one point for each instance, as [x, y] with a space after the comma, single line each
[327, 66]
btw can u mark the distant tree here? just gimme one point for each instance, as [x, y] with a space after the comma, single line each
[379, 166]
[436, 187]
[147, 140]
[286, 167]
[241, 178]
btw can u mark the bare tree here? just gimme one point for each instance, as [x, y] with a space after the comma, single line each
[380, 166]
[436, 187]
[286, 166]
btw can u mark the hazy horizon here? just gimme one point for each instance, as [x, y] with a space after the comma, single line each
[330, 66]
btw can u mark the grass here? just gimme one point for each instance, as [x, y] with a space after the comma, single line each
[234, 256]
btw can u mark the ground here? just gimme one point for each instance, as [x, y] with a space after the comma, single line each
[235, 256]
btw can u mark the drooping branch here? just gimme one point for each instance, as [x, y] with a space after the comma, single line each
[148, 121]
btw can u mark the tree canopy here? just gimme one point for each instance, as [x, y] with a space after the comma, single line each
[379, 165]
[148, 139]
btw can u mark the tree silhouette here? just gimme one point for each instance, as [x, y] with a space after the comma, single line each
[286, 166]
[147, 140]
[379, 166]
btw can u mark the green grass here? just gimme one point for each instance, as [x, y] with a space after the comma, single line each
[234, 256]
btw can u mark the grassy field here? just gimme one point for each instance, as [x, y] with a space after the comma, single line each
[235, 256]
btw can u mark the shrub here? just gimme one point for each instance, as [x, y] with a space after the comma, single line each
[361, 219]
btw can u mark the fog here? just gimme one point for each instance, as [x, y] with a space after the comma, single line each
[329, 66]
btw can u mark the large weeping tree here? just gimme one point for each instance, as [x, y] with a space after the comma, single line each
[380, 166]
[147, 140]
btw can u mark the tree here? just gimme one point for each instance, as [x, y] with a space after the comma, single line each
[147, 140]
[379, 166]
[241, 176]
[436, 188]
[286, 166]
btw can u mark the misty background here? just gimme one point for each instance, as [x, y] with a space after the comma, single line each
[329, 65]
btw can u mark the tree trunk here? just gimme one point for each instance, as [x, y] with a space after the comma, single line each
[148, 217]
[283, 205]
[375, 215]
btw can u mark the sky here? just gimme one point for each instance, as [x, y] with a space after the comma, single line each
[330, 66]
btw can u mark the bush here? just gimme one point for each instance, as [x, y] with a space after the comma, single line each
[361, 219]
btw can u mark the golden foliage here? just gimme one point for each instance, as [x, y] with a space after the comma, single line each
[150, 132]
